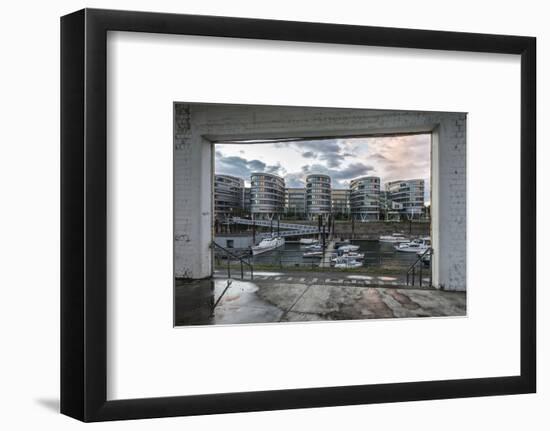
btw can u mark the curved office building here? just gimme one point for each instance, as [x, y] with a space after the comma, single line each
[267, 195]
[228, 195]
[407, 196]
[318, 195]
[365, 198]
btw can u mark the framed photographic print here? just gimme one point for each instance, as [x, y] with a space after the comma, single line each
[262, 215]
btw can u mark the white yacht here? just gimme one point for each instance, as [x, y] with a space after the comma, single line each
[345, 262]
[347, 258]
[340, 243]
[313, 254]
[348, 248]
[394, 238]
[268, 244]
[415, 246]
[355, 255]
[308, 241]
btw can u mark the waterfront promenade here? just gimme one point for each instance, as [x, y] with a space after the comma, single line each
[273, 297]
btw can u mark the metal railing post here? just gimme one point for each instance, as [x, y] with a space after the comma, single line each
[228, 267]
[253, 232]
[431, 267]
[241, 260]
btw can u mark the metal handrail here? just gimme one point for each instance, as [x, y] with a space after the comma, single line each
[412, 268]
[239, 258]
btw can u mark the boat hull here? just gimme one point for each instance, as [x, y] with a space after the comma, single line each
[347, 248]
[406, 249]
[256, 250]
[308, 241]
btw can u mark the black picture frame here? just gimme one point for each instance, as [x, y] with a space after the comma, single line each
[84, 214]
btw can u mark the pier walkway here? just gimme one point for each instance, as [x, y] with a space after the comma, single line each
[285, 229]
[327, 255]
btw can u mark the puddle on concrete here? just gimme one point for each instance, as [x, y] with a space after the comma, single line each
[241, 286]
[239, 303]
[384, 278]
[268, 274]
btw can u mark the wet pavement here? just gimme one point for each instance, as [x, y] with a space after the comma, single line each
[213, 301]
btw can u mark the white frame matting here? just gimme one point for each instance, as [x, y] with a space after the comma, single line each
[147, 357]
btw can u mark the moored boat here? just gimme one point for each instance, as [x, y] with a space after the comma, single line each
[308, 241]
[394, 238]
[268, 244]
[355, 255]
[340, 243]
[345, 262]
[313, 254]
[348, 248]
[415, 246]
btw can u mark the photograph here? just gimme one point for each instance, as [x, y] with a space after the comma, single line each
[246, 217]
[310, 214]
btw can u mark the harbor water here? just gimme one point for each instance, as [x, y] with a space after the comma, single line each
[377, 254]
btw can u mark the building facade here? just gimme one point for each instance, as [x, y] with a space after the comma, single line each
[228, 196]
[389, 210]
[318, 195]
[295, 202]
[340, 203]
[267, 195]
[407, 197]
[246, 200]
[365, 198]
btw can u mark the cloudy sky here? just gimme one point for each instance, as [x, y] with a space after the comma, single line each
[390, 158]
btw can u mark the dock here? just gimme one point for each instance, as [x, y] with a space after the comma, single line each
[325, 260]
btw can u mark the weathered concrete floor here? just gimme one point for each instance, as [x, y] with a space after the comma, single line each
[269, 301]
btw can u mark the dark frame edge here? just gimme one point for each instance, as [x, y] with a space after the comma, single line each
[72, 215]
[148, 408]
[83, 239]
[529, 214]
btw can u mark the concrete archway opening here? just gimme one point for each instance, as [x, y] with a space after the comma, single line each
[198, 127]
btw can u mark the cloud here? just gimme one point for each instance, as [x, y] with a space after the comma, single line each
[276, 169]
[388, 157]
[398, 157]
[294, 180]
[256, 165]
[237, 166]
[327, 150]
[340, 177]
[241, 167]
[333, 160]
